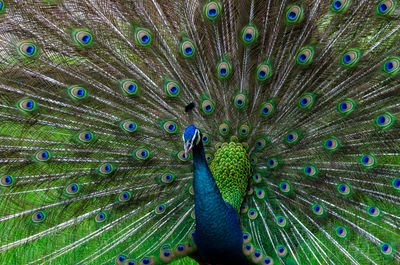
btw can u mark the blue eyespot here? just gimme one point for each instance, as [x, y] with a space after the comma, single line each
[189, 50]
[122, 258]
[39, 216]
[372, 210]
[181, 248]
[212, 12]
[343, 106]
[317, 208]
[304, 101]
[8, 179]
[337, 4]
[302, 57]
[86, 38]
[281, 249]
[383, 7]
[248, 36]
[262, 74]
[145, 39]
[389, 66]
[30, 49]
[146, 261]
[329, 143]
[347, 58]
[267, 261]
[29, 104]
[102, 216]
[223, 71]
[292, 15]
[265, 111]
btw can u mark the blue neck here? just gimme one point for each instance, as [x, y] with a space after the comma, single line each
[218, 234]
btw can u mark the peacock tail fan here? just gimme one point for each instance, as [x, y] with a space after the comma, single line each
[298, 104]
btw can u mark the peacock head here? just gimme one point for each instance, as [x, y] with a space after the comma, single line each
[191, 137]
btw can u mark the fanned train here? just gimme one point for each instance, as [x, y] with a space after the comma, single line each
[199, 132]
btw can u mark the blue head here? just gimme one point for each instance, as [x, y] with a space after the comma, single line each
[191, 137]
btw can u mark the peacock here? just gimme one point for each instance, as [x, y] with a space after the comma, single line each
[242, 132]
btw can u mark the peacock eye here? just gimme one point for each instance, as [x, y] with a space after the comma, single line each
[83, 37]
[207, 106]
[331, 144]
[344, 189]
[129, 87]
[244, 130]
[341, 232]
[224, 129]
[106, 169]
[212, 10]
[339, 5]
[368, 161]
[306, 101]
[267, 108]
[285, 187]
[384, 121]
[172, 89]
[142, 153]
[396, 184]
[281, 251]
[72, 189]
[6, 181]
[224, 69]
[77, 92]
[170, 127]
[129, 126]
[392, 66]
[143, 37]
[187, 48]
[263, 71]
[27, 105]
[124, 196]
[27, 49]
[305, 56]
[249, 34]
[42, 156]
[240, 101]
[206, 139]
[101, 217]
[310, 171]
[350, 58]
[386, 7]
[252, 214]
[386, 249]
[294, 14]
[39, 217]
[318, 209]
[292, 137]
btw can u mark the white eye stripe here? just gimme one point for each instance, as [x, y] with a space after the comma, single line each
[197, 133]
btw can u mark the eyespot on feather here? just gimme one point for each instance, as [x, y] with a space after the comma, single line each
[83, 37]
[129, 126]
[264, 72]
[42, 156]
[338, 6]
[27, 105]
[267, 108]
[27, 49]
[105, 169]
[294, 14]
[188, 49]
[212, 10]
[7, 181]
[350, 58]
[142, 153]
[249, 34]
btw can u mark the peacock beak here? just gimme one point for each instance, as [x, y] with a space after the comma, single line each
[188, 147]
